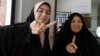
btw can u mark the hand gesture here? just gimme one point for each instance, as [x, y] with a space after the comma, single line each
[37, 28]
[72, 47]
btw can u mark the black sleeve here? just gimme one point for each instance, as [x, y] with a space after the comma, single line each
[95, 47]
[13, 35]
[21, 33]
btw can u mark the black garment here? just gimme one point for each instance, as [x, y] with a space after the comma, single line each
[86, 42]
[11, 36]
[17, 40]
[35, 48]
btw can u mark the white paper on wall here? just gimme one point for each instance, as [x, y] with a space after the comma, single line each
[81, 6]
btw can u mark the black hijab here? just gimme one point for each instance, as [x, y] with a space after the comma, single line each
[30, 18]
[86, 42]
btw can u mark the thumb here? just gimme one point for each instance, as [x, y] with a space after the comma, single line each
[74, 46]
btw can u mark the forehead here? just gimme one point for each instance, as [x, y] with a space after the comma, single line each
[77, 17]
[45, 7]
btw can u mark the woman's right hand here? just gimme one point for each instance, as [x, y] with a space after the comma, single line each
[38, 28]
[72, 47]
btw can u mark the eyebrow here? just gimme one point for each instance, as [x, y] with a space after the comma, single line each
[43, 9]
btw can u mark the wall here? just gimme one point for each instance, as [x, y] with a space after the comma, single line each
[98, 20]
[94, 18]
[98, 16]
[64, 5]
[18, 11]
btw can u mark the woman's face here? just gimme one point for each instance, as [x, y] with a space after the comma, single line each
[76, 24]
[43, 14]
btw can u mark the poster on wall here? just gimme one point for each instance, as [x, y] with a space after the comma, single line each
[82, 6]
[61, 17]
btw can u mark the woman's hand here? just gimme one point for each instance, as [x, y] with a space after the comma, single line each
[72, 47]
[37, 28]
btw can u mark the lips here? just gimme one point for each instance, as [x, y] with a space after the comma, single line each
[76, 27]
[41, 21]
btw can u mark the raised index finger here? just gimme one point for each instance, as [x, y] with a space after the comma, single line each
[74, 39]
[51, 24]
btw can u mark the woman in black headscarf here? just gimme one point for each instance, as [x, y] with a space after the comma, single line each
[29, 38]
[39, 46]
[75, 39]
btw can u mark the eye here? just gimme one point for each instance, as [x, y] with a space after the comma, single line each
[72, 21]
[80, 21]
[39, 10]
[48, 12]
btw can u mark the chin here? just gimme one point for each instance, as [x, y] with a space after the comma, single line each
[76, 31]
[45, 22]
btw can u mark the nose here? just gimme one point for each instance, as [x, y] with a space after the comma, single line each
[76, 23]
[44, 14]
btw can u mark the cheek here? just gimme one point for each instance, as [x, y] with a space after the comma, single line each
[36, 16]
[47, 18]
[72, 28]
[81, 25]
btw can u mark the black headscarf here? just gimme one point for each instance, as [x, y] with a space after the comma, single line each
[86, 42]
[30, 18]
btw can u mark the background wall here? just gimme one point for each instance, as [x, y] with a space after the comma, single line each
[64, 5]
